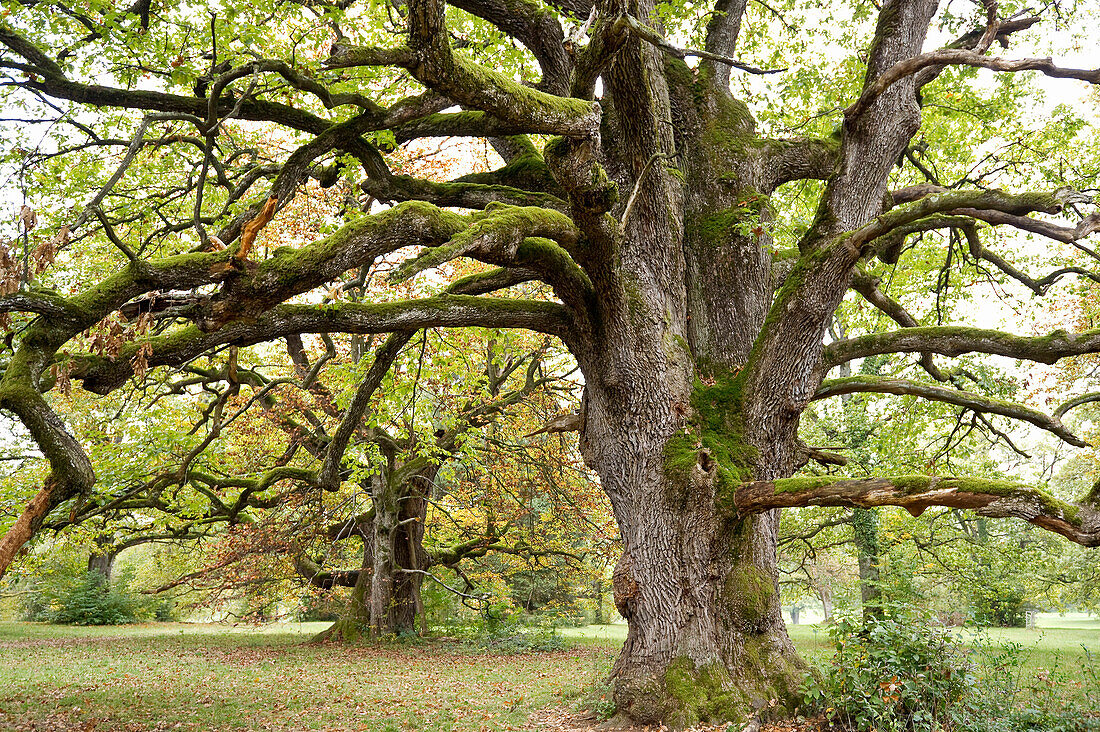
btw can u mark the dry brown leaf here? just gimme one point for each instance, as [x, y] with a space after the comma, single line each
[28, 217]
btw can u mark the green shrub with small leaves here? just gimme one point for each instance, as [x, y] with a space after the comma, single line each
[896, 673]
[89, 599]
[906, 672]
[500, 628]
[1012, 697]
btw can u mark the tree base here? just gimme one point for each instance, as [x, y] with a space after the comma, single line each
[762, 685]
[344, 630]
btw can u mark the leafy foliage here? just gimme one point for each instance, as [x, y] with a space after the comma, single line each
[900, 672]
[905, 671]
[89, 599]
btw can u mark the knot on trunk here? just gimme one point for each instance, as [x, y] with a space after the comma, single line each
[625, 587]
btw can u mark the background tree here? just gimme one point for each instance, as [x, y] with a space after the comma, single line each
[648, 213]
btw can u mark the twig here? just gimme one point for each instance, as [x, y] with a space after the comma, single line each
[638, 183]
[653, 37]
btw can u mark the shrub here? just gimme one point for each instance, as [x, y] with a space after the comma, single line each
[320, 607]
[890, 674]
[1010, 697]
[906, 672]
[499, 628]
[1001, 606]
[87, 599]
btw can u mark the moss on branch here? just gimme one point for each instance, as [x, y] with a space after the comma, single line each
[957, 340]
[1079, 522]
[495, 236]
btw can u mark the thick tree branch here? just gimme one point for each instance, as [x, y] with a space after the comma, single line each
[870, 142]
[456, 124]
[915, 493]
[963, 57]
[432, 61]
[496, 238]
[71, 472]
[799, 159]
[1075, 402]
[932, 392]
[722, 30]
[460, 194]
[324, 579]
[957, 340]
[535, 27]
[945, 201]
[101, 376]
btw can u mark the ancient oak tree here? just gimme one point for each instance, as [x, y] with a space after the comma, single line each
[636, 188]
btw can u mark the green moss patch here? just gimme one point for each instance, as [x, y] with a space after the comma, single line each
[713, 438]
[752, 592]
[702, 694]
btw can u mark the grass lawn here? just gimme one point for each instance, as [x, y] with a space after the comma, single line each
[1059, 641]
[212, 677]
[180, 676]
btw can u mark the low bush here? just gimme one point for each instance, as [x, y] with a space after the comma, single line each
[905, 672]
[1001, 606]
[88, 599]
[500, 628]
[1011, 695]
[891, 674]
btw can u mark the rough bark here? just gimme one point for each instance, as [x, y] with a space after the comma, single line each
[385, 592]
[399, 556]
[698, 586]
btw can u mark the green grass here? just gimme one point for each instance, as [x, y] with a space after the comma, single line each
[214, 677]
[1061, 644]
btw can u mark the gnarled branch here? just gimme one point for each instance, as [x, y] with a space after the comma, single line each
[916, 493]
[933, 392]
[956, 340]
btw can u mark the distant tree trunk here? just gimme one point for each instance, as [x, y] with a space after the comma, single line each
[598, 593]
[399, 558]
[794, 614]
[825, 594]
[865, 530]
[102, 558]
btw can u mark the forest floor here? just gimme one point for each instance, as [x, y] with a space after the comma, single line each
[181, 676]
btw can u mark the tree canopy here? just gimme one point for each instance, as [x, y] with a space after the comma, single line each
[696, 235]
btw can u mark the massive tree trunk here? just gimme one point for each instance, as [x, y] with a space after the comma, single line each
[667, 427]
[697, 583]
[695, 389]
